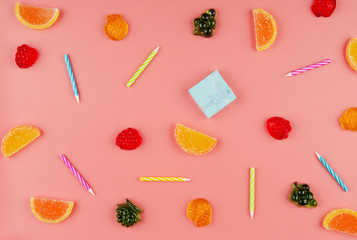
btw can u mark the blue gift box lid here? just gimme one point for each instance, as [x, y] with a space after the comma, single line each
[212, 94]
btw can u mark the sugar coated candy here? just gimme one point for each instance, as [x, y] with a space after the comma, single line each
[128, 139]
[192, 141]
[341, 220]
[199, 211]
[50, 210]
[116, 27]
[25, 56]
[323, 8]
[348, 120]
[265, 29]
[278, 127]
[36, 17]
[18, 138]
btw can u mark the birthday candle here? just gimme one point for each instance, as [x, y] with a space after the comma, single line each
[308, 68]
[71, 77]
[76, 173]
[164, 179]
[332, 172]
[252, 192]
[143, 66]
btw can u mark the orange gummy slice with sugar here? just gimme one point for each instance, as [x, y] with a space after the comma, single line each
[265, 29]
[199, 211]
[36, 17]
[192, 141]
[341, 220]
[51, 211]
[116, 27]
[351, 53]
[18, 138]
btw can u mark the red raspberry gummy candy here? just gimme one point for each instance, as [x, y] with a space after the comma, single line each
[128, 139]
[323, 7]
[25, 56]
[278, 127]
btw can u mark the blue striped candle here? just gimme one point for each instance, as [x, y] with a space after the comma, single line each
[332, 172]
[71, 77]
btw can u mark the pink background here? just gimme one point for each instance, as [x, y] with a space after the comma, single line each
[42, 96]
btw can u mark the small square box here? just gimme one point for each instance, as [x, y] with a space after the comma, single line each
[212, 94]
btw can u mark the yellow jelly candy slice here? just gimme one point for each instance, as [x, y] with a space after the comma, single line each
[18, 138]
[192, 141]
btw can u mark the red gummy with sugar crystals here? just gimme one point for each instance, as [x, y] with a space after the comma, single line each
[323, 7]
[128, 139]
[25, 56]
[278, 127]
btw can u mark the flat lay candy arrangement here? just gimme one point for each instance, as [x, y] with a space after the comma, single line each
[212, 96]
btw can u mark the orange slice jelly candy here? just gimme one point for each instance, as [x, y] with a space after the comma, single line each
[51, 211]
[199, 211]
[36, 17]
[341, 220]
[116, 27]
[351, 53]
[265, 29]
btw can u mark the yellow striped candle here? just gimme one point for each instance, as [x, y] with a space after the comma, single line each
[164, 179]
[252, 191]
[143, 66]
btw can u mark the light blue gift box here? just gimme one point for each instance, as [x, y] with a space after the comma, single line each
[212, 94]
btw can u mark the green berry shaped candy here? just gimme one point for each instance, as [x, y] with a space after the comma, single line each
[128, 214]
[301, 196]
[205, 17]
[205, 24]
[211, 12]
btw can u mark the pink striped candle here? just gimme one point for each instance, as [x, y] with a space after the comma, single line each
[76, 173]
[307, 68]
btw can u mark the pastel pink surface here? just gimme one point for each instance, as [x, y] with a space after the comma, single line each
[312, 102]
